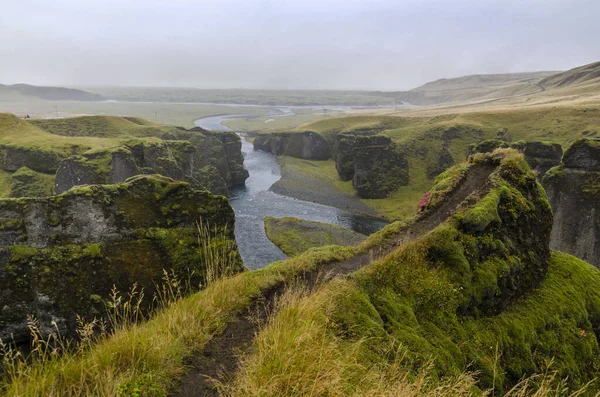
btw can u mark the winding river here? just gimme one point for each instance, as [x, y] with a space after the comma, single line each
[254, 201]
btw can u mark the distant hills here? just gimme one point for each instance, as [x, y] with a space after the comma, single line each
[466, 89]
[26, 91]
[475, 87]
[482, 87]
[583, 75]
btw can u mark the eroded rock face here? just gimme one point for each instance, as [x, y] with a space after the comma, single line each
[541, 156]
[205, 160]
[305, 145]
[61, 255]
[573, 190]
[13, 157]
[443, 162]
[379, 168]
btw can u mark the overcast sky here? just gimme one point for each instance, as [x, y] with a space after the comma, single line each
[299, 44]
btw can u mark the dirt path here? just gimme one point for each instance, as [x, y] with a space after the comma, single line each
[219, 360]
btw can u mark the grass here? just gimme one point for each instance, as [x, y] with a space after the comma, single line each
[294, 236]
[4, 184]
[438, 306]
[302, 350]
[270, 123]
[19, 132]
[102, 126]
[164, 113]
[411, 323]
[150, 355]
[421, 134]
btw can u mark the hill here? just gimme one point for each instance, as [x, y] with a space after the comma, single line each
[583, 75]
[23, 91]
[474, 87]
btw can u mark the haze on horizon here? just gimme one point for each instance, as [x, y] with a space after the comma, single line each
[286, 44]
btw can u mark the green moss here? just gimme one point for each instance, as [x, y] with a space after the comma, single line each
[294, 236]
[28, 183]
[480, 216]
[591, 185]
[10, 223]
[488, 297]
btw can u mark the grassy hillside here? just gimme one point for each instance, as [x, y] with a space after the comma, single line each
[474, 88]
[294, 236]
[103, 126]
[164, 113]
[15, 131]
[587, 74]
[21, 91]
[417, 320]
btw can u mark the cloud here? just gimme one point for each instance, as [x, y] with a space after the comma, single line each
[380, 44]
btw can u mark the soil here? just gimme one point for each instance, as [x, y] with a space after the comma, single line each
[219, 361]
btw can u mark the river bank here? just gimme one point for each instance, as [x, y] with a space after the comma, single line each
[305, 180]
[254, 201]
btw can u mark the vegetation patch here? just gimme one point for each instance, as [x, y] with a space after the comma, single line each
[294, 236]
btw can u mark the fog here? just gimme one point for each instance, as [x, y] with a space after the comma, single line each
[302, 44]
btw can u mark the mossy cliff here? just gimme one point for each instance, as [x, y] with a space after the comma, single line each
[302, 144]
[475, 292]
[103, 149]
[482, 292]
[61, 255]
[206, 160]
[379, 167]
[574, 192]
[541, 156]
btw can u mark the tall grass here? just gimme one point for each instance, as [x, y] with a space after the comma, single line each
[123, 353]
[298, 353]
[219, 252]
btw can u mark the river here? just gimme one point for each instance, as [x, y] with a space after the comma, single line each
[253, 201]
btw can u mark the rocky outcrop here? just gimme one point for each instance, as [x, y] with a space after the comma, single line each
[28, 183]
[205, 160]
[573, 190]
[541, 156]
[13, 157]
[373, 163]
[62, 255]
[443, 162]
[305, 145]
[379, 168]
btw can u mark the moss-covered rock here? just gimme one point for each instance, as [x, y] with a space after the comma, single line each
[294, 236]
[480, 292]
[61, 255]
[379, 167]
[28, 183]
[574, 192]
[13, 157]
[302, 144]
[443, 162]
[205, 160]
[541, 156]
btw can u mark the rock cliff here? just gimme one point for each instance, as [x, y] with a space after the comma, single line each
[204, 159]
[541, 156]
[61, 255]
[373, 162]
[573, 190]
[305, 145]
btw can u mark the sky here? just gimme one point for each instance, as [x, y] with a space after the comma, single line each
[289, 44]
